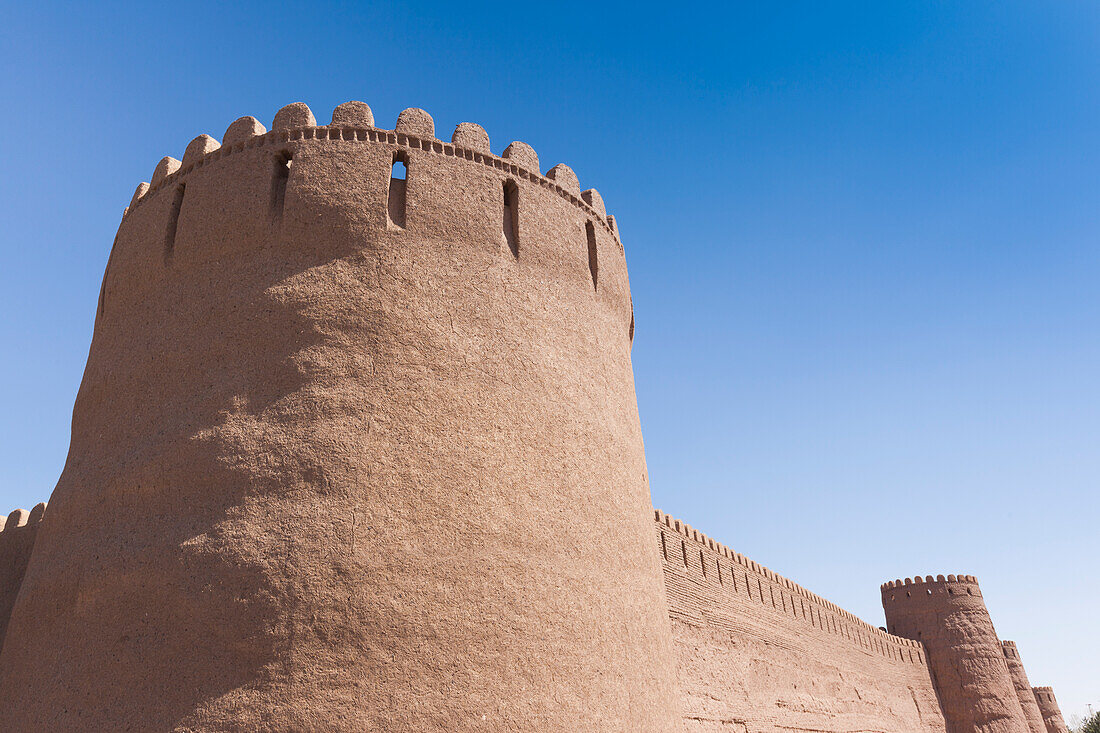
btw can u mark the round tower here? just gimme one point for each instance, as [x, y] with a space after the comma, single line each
[965, 656]
[356, 448]
[1048, 706]
[1024, 692]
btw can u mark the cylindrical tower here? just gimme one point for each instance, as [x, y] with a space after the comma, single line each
[356, 448]
[965, 656]
[1024, 692]
[1048, 706]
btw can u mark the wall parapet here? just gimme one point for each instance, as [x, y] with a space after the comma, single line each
[19, 518]
[827, 616]
[412, 131]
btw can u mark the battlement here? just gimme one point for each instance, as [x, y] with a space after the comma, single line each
[20, 518]
[819, 612]
[929, 580]
[927, 590]
[354, 122]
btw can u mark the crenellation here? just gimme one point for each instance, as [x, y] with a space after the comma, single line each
[353, 114]
[471, 135]
[564, 176]
[247, 132]
[592, 198]
[164, 169]
[197, 149]
[141, 190]
[294, 116]
[415, 122]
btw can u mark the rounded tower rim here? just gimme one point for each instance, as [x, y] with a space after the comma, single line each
[167, 176]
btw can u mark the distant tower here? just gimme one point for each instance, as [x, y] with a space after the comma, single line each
[964, 654]
[1024, 692]
[17, 534]
[356, 448]
[1052, 714]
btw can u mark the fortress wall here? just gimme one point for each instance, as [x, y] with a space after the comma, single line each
[1026, 695]
[294, 406]
[759, 653]
[17, 534]
[1052, 713]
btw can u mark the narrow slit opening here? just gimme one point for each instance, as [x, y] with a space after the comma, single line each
[173, 222]
[593, 261]
[510, 224]
[398, 193]
[279, 178]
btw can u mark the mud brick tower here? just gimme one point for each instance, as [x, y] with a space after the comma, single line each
[354, 450]
[18, 532]
[1024, 692]
[1052, 714]
[948, 615]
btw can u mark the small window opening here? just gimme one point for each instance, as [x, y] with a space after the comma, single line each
[510, 223]
[398, 190]
[593, 261]
[279, 179]
[173, 222]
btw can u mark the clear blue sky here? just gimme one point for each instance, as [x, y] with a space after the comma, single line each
[862, 241]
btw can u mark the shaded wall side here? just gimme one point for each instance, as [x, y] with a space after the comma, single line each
[1024, 693]
[1051, 711]
[757, 652]
[294, 411]
[17, 536]
[965, 656]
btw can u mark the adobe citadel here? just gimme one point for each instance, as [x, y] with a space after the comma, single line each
[360, 451]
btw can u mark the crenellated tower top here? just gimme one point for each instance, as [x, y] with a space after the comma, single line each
[354, 122]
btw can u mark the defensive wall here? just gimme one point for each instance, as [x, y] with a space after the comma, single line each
[758, 652]
[311, 377]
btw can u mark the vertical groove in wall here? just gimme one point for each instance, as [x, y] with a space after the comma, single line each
[398, 191]
[510, 223]
[173, 222]
[593, 258]
[279, 179]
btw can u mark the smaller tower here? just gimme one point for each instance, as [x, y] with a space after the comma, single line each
[1032, 715]
[17, 534]
[964, 654]
[1048, 706]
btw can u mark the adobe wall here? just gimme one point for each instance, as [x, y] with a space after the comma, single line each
[757, 652]
[347, 460]
[1052, 713]
[1024, 692]
[948, 615]
[17, 534]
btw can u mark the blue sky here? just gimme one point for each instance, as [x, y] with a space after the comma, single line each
[862, 241]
